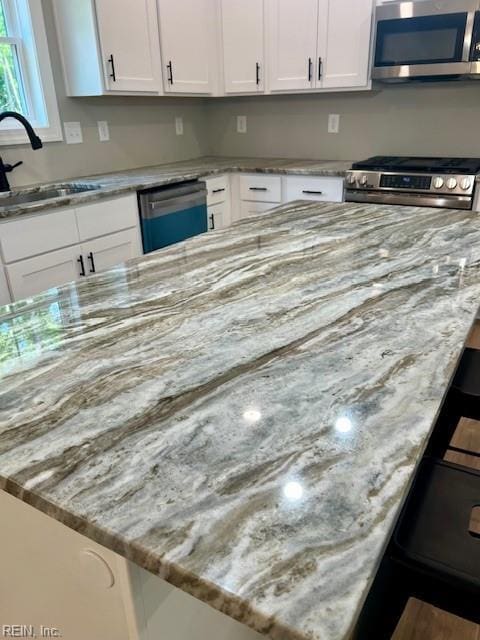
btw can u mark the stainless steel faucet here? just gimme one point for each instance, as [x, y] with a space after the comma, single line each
[34, 141]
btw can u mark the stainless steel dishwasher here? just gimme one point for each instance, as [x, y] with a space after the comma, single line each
[172, 213]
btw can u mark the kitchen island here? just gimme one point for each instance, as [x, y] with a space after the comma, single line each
[242, 414]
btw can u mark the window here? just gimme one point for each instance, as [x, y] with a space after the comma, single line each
[26, 81]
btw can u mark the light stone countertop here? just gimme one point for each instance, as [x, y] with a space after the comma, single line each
[111, 184]
[242, 413]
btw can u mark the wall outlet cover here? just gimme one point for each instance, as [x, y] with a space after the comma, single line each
[73, 132]
[103, 131]
[333, 123]
[241, 124]
[179, 126]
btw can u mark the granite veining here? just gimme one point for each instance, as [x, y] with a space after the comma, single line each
[112, 184]
[242, 413]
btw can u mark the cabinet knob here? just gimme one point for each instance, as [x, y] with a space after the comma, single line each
[97, 570]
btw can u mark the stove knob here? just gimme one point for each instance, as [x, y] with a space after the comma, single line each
[438, 182]
[451, 183]
[364, 180]
[465, 184]
[351, 178]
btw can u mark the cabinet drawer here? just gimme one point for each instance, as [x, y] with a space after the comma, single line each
[250, 208]
[218, 190]
[32, 276]
[314, 188]
[107, 216]
[261, 188]
[32, 235]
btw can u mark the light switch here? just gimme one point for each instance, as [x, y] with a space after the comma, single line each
[241, 124]
[103, 131]
[73, 132]
[179, 126]
[333, 123]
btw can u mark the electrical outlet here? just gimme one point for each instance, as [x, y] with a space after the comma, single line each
[73, 132]
[333, 123]
[103, 131]
[179, 126]
[241, 124]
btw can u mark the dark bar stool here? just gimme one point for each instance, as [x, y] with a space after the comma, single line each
[462, 400]
[432, 555]
[465, 390]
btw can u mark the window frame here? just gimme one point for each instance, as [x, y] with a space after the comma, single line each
[37, 77]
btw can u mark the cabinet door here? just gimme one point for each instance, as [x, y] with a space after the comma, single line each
[52, 575]
[344, 30]
[129, 39]
[242, 30]
[34, 275]
[219, 216]
[109, 251]
[186, 36]
[250, 208]
[4, 292]
[292, 43]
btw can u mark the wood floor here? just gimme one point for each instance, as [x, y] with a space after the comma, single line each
[421, 621]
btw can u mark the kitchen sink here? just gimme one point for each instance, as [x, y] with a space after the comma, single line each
[26, 197]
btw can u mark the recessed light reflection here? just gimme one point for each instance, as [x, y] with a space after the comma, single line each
[293, 490]
[252, 415]
[343, 424]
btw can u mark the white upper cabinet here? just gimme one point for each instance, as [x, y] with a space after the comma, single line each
[292, 43]
[243, 51]
[109, 46]
[344, 30]
[130, 46]
[188, 43]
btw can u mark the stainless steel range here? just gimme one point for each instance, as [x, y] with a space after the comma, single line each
[424, 182]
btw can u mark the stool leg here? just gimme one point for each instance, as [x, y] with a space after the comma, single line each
[385, 603]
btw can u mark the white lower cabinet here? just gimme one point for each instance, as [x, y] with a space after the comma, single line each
[322, 189]
[31, 276]
[104, 253]
[249, 208]
[219, 216]
[52, 248]
[56, 577]
[5, 297]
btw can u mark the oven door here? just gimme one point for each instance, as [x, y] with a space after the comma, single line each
[423, 39]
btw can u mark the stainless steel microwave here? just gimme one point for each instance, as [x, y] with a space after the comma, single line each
[426, 38]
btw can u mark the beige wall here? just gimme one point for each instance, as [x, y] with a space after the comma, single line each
[142, 131]
[439, 119]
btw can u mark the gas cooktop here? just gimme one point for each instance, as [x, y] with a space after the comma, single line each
[416, 181]
[422, 164]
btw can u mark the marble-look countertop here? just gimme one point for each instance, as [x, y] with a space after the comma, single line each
[112, 184]
[242, 413]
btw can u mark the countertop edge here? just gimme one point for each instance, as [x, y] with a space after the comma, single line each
[109, 191]
[203, 590]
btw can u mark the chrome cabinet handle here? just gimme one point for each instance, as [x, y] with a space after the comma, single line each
[92, 262]
[82, 266]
